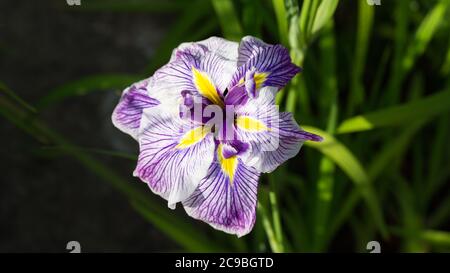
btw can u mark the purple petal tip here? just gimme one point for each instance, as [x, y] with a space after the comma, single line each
[311, 137]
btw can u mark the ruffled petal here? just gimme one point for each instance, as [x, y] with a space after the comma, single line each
[236, 96]
[204, 68]
[272, 64]
[274, 137]
[226, 197]
[128, 112]
[174, 156]
[247, 47]
[219, 46]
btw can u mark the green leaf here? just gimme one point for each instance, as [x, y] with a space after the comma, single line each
[17, 98]
[324, 13]
[251, 17]
[424, 34]
[185, 233]
[22, 121]
[306, 20]
[336, 151]
[325, 182]
[391, 150]
[378, 76]
[408, 214]
[295, 34]
[350, 165]
[56, 150]
[295, 222]
[304, 17]
[191, 25]
[282, 20]
[405, 58]
[437, 237]
[402, 19]
[275, 245]
[445, 70]
[442, 213]
[87, 85]
[292, 99]
[437, 158]
[365, 22]
[228, 19]
[328, 84]
[269, 21]
[398, 115]
[276, 219]
[380, 162]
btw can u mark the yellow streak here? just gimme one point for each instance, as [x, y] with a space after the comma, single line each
[228, 165]
[259, 77]
[250, 124]
[192, 137]
[205, 86]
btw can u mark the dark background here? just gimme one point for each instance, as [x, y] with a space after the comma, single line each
[46, 201]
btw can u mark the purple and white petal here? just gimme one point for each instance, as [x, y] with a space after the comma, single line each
[213, 71]
[237, 95]
[226, 205]
[272, 64]
[233, 148]
[274, 137]
[215, 58]
[250, 83]
[172, 161]
[211, 163]
[128, 112]
[219, 46]
[247, 47]
[290, 140]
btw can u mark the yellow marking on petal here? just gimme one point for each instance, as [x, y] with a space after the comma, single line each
[260, 78]
[228, 165]
[250, 124]
[193, 137]
[205, 86]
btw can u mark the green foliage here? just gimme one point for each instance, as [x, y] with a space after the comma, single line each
[152, 210]
[364, 72]
[399, 115]
[229, 22]
[86, 85]
[324, 13]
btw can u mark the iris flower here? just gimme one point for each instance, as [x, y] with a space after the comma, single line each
[211, 162]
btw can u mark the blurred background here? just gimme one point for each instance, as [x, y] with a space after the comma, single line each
[375, 84]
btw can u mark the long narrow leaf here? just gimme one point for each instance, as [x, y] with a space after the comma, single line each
[417, 46]
[282, 20]
[163, 218]
[187, 28]
[424, 34]
[398, 115]
[325, 183]
[16, 98]
[324, 13]
[364, 27]
[87, 85]
[348, 163]
[437, 237]
[228, 19]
